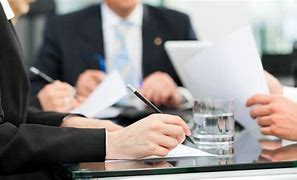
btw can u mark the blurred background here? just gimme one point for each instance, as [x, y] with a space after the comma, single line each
[274, 23]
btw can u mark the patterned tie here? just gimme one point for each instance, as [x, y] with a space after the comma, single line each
[120, 61]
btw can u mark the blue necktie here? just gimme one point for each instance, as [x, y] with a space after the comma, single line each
[121, 61]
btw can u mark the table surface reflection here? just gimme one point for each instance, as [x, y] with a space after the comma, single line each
[250, 151]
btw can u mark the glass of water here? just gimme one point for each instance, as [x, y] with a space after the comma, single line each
[214, 122]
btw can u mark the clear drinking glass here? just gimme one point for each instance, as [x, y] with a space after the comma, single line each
[214, 122]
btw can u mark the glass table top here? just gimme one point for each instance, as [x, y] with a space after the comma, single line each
[250, 151]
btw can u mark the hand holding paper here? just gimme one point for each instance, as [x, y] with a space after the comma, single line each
[106, 94]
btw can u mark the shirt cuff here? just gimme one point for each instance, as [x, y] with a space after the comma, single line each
[290, 93]
[187, 98]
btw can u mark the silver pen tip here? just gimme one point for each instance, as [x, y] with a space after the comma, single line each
[34, 70]
[131, 88]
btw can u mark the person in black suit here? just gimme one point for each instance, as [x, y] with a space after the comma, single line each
[74, 43]
[30, 139]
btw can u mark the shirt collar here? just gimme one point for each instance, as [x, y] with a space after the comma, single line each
[110, 18]
[7, 9]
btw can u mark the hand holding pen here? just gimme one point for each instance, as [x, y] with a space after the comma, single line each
[152, 106]
[56, 95]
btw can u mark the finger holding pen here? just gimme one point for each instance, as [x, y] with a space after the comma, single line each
[47, 78]
[56, 95]
[180, 122]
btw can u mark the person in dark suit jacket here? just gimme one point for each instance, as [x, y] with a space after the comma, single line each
[73, 43]
[30, 138]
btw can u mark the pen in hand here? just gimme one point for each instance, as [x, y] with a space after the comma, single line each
[41, 74]
[47, 78]
[151, 105]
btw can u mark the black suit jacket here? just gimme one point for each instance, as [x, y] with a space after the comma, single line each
[25, 141]
[72, 42]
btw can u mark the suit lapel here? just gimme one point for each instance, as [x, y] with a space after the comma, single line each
[91, 32]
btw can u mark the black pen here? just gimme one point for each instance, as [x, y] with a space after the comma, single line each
[151, 105]
[41, 74]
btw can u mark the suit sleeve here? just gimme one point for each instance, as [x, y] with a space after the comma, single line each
[29, 146]
[48, 58]
[36, 116]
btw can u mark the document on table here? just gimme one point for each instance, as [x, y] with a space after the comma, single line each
[231, 68]
[180, 151]
[106, 94]
[183, 151]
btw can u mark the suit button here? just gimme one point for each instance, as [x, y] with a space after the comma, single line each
[158, 41]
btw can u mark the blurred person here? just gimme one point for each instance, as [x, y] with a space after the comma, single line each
[79, 48]
[30, 139]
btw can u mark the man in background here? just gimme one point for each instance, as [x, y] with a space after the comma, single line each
[81, 47]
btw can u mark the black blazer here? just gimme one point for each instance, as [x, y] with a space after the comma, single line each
[72, 42]
[25, 141]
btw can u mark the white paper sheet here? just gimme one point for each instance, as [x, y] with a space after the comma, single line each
[106, 94]
[231, 68]
[180, 151]
[110, 112]
[183, 151]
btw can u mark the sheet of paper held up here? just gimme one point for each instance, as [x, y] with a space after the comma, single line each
[231, 68]
[180, 151]
[106, 94]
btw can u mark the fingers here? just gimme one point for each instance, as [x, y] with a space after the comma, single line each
[174, 131]
[96, 75]
[159, 88]
[148, 93]
[266, 130]
[166, 141]
[264, 121]
[259, 111]
[175, 120]
[88, 81]
[160, 151]
[259, 99]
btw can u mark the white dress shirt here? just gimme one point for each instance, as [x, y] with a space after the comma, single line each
[7, 9]
[133, 38]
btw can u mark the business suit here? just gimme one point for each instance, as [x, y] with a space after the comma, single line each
[29, 138]
[72, 41]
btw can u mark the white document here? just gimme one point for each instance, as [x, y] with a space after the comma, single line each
[110, 112]
[183, 151]
[231, 68]
[180, 151]
[106, 94]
